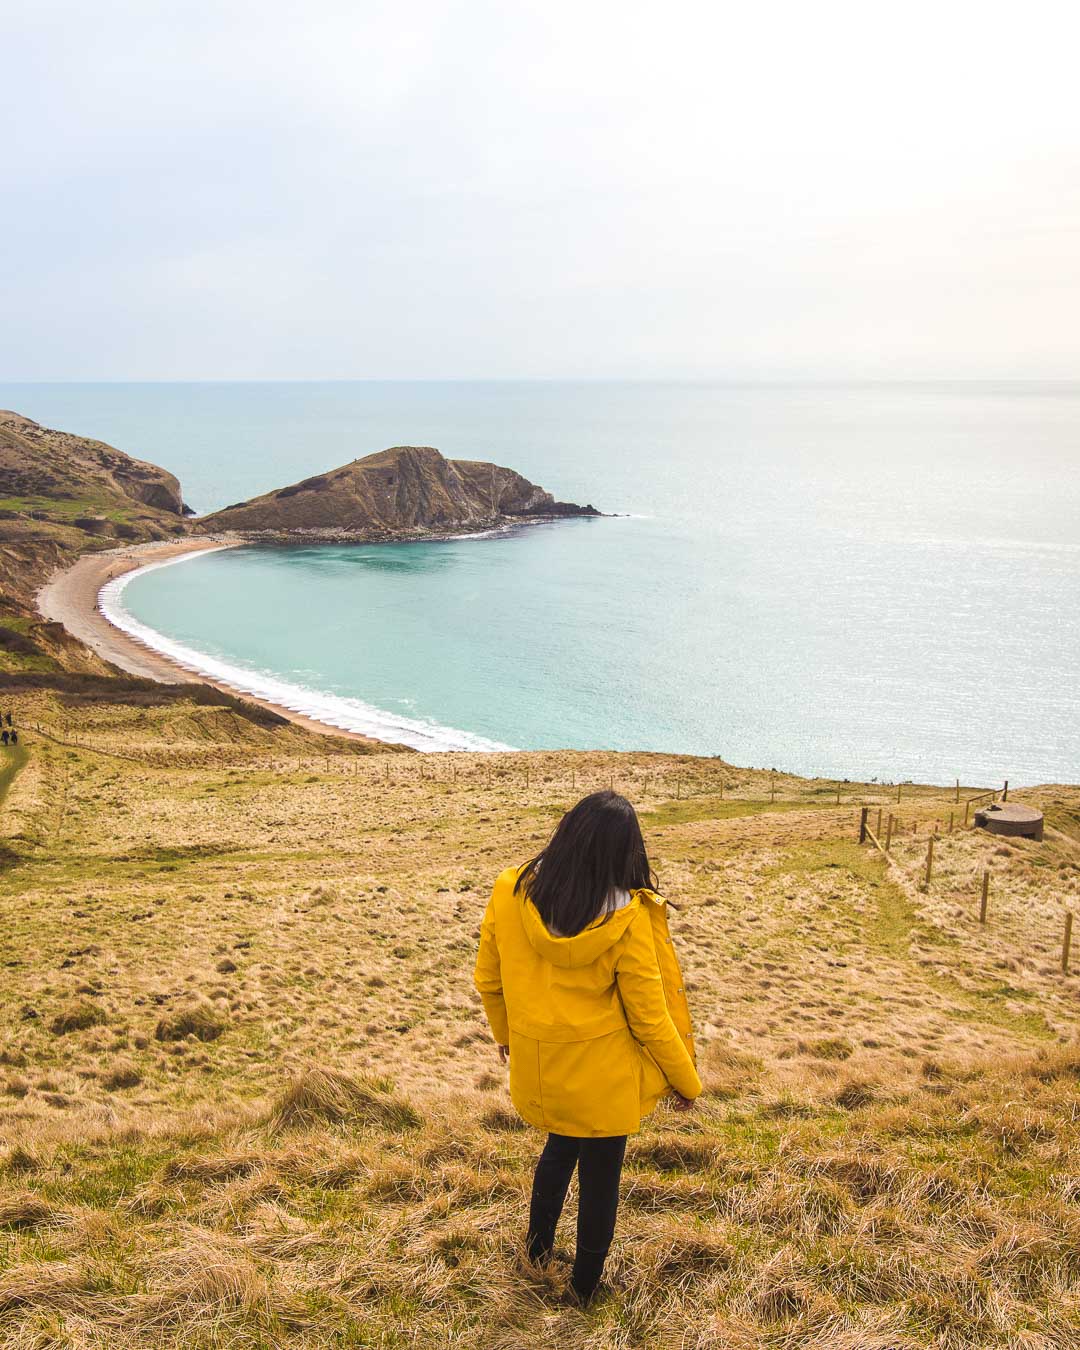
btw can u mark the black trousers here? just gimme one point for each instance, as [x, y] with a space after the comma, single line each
[599, 1163]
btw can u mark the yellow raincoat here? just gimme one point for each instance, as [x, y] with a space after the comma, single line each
[598, 1024]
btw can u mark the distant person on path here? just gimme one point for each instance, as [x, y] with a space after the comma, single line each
[584, 995]
[4, 737]
[14, 737]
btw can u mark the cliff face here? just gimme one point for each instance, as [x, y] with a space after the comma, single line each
[36, 463]
[407, 491]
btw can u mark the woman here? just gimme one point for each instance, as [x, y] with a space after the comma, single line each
[583, 992]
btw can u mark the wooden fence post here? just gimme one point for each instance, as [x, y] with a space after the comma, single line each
[967, 807]
[1066, 942]
[898, 792]
[878, 830]
[862, 824]
[929, 860]
[985, 895]
[958, 789]
[1005, 794]
[838, 794]
[888, 833]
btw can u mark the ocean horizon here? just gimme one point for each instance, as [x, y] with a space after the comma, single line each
[847, 580]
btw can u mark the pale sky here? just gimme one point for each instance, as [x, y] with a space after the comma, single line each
[233, 190]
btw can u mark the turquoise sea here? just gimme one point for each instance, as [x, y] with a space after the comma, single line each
[865, 580]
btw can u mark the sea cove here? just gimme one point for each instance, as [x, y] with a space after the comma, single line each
[781, 590]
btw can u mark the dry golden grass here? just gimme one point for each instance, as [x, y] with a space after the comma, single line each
[247, 1096]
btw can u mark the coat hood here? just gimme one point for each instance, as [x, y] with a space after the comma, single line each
[584, 947]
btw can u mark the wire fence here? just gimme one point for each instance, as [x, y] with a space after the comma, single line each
[885, 832]
[676, 778]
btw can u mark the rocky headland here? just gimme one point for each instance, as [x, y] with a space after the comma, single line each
[406, 492]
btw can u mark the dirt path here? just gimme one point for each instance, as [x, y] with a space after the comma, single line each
[12, 760]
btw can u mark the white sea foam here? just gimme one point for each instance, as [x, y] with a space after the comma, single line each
[334, 710]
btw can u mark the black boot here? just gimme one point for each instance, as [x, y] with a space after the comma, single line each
[588, 1267]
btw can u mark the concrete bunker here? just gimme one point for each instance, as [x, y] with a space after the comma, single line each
[1010, 818]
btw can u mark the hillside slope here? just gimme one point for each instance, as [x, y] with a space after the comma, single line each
[61, 496]
[248, 1098]
[406, 491]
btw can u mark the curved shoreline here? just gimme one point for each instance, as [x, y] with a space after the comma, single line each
[71, 597]
[85, 598]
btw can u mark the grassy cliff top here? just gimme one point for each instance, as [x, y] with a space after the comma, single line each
[248, 1098]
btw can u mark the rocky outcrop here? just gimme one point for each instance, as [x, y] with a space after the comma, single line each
[409, 491]
[37, 463]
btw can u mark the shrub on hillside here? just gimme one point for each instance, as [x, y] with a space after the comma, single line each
[322, 1096]
[77, 1015]
[121, 1074]
[25, 1210]
[199, 1018]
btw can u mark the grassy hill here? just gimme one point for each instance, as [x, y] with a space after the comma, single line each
[247, 1096]
[63, 495]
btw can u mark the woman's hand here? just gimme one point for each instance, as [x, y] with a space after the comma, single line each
[682, 1103]
[504, 1054]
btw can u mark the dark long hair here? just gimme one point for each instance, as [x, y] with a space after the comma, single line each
[597, 848]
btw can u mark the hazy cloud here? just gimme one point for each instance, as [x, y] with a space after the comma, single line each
[241, 190]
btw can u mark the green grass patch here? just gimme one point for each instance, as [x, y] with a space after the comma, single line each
[103, 1178]
[68, 508]
[985, 1008]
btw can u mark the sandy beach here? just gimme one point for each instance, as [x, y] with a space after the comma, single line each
[70, 597]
